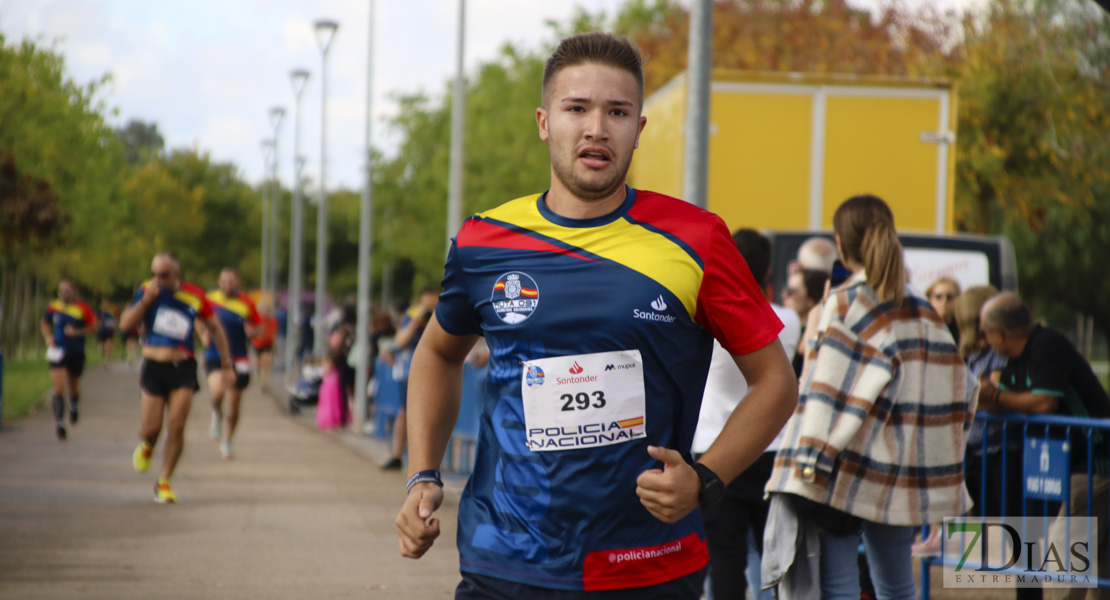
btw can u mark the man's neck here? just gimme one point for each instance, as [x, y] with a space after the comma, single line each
[562, 202]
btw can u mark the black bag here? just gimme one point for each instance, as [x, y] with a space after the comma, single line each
[830, 520]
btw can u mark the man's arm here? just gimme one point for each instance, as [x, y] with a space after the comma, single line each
[671, 493]
[217, 334]
[47, 332]
[995, 399]
[406, 334]
[433, 408]
[133, 315]
[772, 396]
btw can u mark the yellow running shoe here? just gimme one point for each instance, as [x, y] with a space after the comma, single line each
[141, 458]
[163, 493]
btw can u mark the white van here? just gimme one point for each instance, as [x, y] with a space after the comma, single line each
[969, 259]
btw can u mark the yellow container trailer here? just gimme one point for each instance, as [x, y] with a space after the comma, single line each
[786, 148]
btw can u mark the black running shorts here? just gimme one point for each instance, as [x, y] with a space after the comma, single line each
[72, 362]
[242, 380]
[160, 378]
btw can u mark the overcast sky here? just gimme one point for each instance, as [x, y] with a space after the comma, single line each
[208, 71]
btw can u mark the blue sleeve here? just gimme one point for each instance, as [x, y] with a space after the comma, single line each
[138, 296]
[455, 310]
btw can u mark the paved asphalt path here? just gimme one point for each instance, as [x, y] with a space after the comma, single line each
[299, 513]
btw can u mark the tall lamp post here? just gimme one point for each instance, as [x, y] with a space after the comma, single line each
[267, 147]
[362, 328]
[298, 78]
[277, 115]
[325, 33]
[458, 117]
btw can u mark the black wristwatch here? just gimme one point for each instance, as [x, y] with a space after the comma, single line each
[712, 488]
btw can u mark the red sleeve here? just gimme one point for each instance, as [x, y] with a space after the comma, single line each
[253, 318]
[730, 304]
[90, 316]
[204, 309]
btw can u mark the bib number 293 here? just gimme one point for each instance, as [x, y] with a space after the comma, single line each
[583, 400]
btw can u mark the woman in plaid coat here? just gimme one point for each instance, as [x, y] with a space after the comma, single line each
[875, 446]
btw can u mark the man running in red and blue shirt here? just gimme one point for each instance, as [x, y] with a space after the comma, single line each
[168, 308]
[241, 320]
[64, 326]
[600, 304]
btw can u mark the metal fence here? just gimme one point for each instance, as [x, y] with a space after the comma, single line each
[1026, 466]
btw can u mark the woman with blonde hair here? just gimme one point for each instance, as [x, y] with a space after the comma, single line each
[875, 446]
[942, 294]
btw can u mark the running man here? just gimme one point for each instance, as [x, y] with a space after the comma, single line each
[64, 326]
[240, 321]
[263, 342]
[168, 309]
[106, 332]
[600, 304]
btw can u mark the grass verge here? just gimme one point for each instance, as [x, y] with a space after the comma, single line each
[27, 383]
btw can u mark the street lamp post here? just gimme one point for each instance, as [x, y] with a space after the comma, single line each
[458, 118]
[325, 33]
[277, 115]
[362, 328]
[267, 147]
[298, 78]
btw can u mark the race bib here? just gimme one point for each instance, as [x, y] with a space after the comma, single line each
[584, 400]
[55, 354]
[172, 323]
[243, 366]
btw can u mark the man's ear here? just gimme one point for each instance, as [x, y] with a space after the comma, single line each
[541, 122]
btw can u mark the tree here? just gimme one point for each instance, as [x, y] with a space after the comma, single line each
[1033, 159]
[141, 141]
[505, 159]
[812, 36]
[66, 158]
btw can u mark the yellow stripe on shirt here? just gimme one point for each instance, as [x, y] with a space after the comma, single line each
[629, 244]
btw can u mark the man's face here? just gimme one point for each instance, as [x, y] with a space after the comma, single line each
[164, 272]
[591, 124]
[229, 283]
[428, 301]
[996, 338]
[66, 292]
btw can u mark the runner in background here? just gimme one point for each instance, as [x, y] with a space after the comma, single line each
[64, 326]
[168, 308]
[106, 331]
[240, 321]
[263, 343]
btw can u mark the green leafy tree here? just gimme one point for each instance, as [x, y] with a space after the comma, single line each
[55, 129]
[141, 141]
[1033, 157]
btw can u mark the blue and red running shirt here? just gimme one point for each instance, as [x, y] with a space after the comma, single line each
[169, 321]
[657, 275]
[234, 313]
[59, 314]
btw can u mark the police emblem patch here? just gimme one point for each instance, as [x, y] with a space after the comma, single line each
[515, 297]
[534, 376]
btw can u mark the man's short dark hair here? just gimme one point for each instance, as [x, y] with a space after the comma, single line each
[756, 250]
[597, 48]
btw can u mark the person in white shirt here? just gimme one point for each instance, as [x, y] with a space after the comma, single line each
[743, 510]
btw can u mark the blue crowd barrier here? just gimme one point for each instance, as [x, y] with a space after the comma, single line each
[464, 439]
[1012, 435]
[389, 394]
